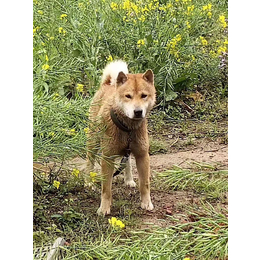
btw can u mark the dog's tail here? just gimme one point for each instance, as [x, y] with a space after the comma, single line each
[111, 71]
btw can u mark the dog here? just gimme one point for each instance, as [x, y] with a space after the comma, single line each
[121, 105]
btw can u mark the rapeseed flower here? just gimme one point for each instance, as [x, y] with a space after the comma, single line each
[40, 12]
[203, 41]
[188, 25]
[114, 222]
[209, 14]
[51, 134]
[56, 184]
[81, 5]
[109, 58]
[46, 57]
[207, 7]
[62, 31]
[75, 172]
[79, 87]
[114, 6]
[222, 49]
[140, 43]
[142, 18]
[93, 176]
[86, 130]
[63, 16]
[222, 21]
[145, 9]
[45, 66]
[190, 9]
[172, 44]
[72, 131]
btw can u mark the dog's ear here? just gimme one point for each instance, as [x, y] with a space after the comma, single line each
[148, 76]
[121, 78]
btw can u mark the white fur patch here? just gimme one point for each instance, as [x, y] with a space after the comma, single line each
[112, 69]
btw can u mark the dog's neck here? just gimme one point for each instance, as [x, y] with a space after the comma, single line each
[131, 124]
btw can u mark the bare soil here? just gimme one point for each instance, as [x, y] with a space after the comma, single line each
[211, 153]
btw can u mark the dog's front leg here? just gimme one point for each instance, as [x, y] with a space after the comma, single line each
[107, 167]
[143, 168]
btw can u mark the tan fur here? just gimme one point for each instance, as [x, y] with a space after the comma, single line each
[114, 140]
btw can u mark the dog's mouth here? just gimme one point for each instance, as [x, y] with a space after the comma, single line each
[137, 118]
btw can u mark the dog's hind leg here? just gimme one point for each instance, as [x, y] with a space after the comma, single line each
[143, 168]
[129, 181]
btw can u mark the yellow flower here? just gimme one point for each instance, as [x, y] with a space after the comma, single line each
[209, 14]
[114, 6]
[203, 41]
[61, 30]
[75, 172]
[45, 67]
[190, 9]
[51, 134]
[188, 25]
[178, 37]
[72, 131]
[222, 49]
[226, 42]
[192, 56]
[186, 258]
[93, 176]
[114, 222]
[86, 130]
[213, 54]
[46, 58]
[40, 12]
[169, 5]
[120, 224]
[172, 44]
[63, 16]
[145, 9]
[56, 184]
[79, 87]
[142, 18]
[222, 21]
[109, 58]
[207, 7]
[140, 43]
[81, 5]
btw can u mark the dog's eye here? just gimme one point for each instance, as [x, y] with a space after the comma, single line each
[128, 96]
[143, 96]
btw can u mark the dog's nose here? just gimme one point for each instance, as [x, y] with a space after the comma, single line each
[138, 113]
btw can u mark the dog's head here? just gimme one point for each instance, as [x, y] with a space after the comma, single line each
[135, 94]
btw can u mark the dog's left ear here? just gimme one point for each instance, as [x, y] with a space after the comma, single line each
[148, 76]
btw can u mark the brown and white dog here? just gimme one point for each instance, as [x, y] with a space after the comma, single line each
[130, 97]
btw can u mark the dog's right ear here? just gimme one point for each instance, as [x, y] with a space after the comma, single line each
[121, 78]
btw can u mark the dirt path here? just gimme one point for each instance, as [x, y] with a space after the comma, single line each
[210, 153]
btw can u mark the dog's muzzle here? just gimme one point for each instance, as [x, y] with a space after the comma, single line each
[138, 113]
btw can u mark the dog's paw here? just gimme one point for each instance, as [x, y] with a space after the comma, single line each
[104, 208]
[103, 211]
[147, 205]
[130, 183]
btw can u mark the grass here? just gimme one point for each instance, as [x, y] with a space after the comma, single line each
[198, 231]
